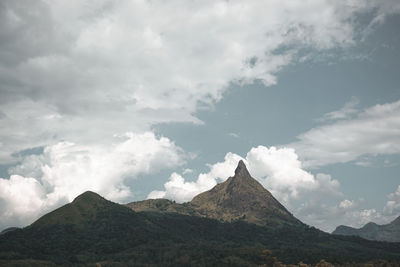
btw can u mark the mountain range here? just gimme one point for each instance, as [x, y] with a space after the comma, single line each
[236, 223]
[372, 231]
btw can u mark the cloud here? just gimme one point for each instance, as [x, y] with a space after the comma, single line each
[344, 113]
[346, 204]
[178, 189]
[84, 70]
[20, 200]
[383, 9]
[187, 171]
[373, 131]
[392, 207]
[45, 181]
[328, 217]
[234, 135]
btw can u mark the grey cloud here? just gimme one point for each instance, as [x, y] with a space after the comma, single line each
[125, 66]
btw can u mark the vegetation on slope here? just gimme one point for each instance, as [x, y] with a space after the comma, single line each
[92, 229]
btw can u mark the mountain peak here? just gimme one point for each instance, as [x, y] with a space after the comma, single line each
[240, 166]
[82, 209]
[88, 196]
[242, 197]
[241, 170]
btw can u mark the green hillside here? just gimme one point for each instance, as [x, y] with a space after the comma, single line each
[92, 229]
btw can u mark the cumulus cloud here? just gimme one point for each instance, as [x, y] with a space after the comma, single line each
[84, 70]
[178, 189]
[328, 217]
[20, 198]
[373, 131]
[392, 207]
[65, 170]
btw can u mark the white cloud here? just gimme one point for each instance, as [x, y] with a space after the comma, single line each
[373, 131]
[392, 207]
[20, 200]
[65, 170]
[328, 217]
[84, 70]
[187, 171]
[346, 204]
[280, 171]
[234, 135]
[178, 189]
[345, 112]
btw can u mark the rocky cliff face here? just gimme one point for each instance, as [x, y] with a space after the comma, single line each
[240, 197]
[162, 205]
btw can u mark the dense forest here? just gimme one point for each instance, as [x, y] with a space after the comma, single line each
[93, 230]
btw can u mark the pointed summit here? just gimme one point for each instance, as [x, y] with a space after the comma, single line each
[242, 197]
[241, 170]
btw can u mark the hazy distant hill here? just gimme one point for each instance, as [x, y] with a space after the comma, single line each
[372, 231]
[92, 230]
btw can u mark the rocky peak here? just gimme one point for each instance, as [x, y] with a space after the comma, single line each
[242, 197]
[241, 171]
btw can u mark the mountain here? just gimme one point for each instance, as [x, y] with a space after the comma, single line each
[82, 210]
[372, 231]
[249, 228]
[240, 197]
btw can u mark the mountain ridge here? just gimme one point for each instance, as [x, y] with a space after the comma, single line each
[388, 232]
[82, 209]
[93, 231]
[240, 197]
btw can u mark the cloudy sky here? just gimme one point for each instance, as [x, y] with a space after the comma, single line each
[140, 99]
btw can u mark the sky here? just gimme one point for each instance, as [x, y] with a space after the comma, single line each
[140, 99]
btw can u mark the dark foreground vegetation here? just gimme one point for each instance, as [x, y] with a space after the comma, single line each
[93, 230]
